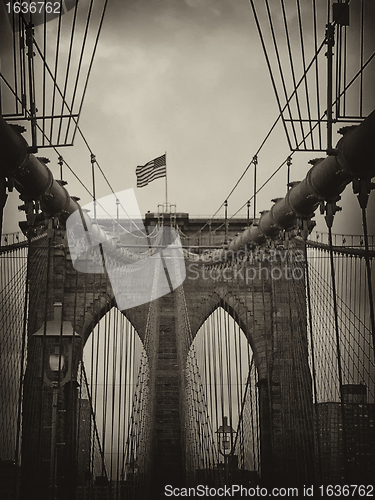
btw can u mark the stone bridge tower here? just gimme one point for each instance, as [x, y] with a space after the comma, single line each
[258, 293]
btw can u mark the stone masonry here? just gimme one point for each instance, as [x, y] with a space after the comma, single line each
[266, 310]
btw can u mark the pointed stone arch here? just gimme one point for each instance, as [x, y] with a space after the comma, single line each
[222, 356]
[249, 304]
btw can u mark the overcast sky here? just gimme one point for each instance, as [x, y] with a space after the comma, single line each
[186, 77]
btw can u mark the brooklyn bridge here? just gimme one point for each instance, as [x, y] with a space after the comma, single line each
[167, 354]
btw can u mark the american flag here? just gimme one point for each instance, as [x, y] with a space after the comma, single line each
[154, 169]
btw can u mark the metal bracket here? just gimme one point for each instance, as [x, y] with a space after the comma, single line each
[363, 188]
[329, 208]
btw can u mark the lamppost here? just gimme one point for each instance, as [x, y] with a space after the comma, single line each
[57, 337]
[225, 442]
[56, 364]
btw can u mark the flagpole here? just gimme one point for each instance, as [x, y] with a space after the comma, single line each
[166, 183]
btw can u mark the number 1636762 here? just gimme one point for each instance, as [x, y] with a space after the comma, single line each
[33, 7]
[352, 490]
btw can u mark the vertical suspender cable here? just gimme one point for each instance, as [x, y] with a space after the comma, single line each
[22, 362]
[226, 221]
[312, 347]
[255, 161]
[361, 56]
[368, 273]
[93, 160]
[95, 428]
[228, 374]
[289, 163]
[317, 72]
[120, 319]
[44, 93]
[330, 33]
[338, 351]
[30, 58]
[114, 370]
[44, 341]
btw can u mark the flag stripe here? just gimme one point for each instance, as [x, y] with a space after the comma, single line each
[149, 174]
[145, 182]
[156, 174]
[154, 169]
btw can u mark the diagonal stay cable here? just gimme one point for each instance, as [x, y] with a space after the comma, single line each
[80, 62]
[277, 52]
[304, 67]
[251, 2]
[56, 70]
[66, 163]
[268, 135]
[68, 66]
[90, 66]
[318, 122]
[291, 64]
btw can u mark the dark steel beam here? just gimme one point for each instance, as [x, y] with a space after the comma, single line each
[354, 158]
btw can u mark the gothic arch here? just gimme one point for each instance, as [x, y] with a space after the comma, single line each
[246, 306]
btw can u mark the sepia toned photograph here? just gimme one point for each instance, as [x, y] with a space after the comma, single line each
[187, 221]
